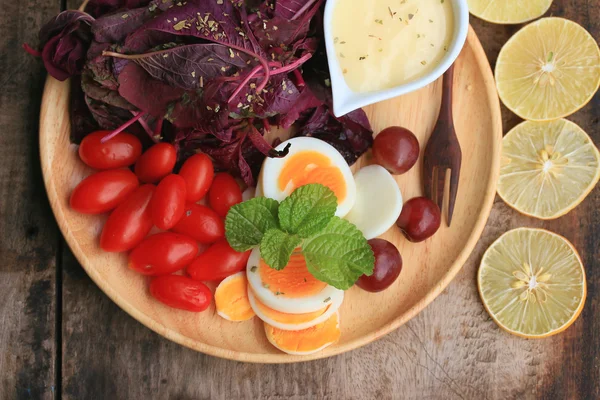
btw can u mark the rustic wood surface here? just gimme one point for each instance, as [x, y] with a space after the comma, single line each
[61, 337]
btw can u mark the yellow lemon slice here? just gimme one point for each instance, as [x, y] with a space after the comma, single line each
[532, 283]
[508, 11]
[548, 70]
[548, 168]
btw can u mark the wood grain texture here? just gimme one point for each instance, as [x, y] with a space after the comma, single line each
[451, 350]
[29, 238]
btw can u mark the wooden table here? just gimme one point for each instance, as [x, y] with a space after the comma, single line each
[60, 336]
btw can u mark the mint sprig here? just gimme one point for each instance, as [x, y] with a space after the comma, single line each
[277, 247]
[247, 222]
[336, 252]
[339, 254]
[307, 210]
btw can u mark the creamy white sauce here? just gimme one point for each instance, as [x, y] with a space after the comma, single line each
[385, 43]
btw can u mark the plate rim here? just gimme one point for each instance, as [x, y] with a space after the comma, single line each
[456, 266]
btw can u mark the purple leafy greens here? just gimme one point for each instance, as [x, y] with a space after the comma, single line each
[64, 41]
[206, 75]
[189, 66]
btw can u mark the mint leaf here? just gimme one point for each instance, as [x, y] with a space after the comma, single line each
[247, 222]
[339, 254]
[307, 210]
[276, 248]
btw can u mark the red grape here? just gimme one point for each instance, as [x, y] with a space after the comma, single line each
[388, 264]
[420, 219]
[396, 149]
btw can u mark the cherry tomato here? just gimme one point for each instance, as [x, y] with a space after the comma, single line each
[181, 292]
[129, 223]
[168, 202]
[396, 149]
[224, 193]
[163, 254]
[121, 151]
[201, 223]
[388, 265]
[218, 262]
[420, 219]
[156, 163]
[198, 173]
[103, 191]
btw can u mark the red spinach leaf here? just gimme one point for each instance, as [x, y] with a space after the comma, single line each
[209, 20]
[114, 27]
[64, 41]
[146, 93]
[190, 66]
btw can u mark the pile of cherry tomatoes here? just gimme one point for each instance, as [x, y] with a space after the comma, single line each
[152, 195]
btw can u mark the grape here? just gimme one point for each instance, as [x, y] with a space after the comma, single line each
[396, 149]
[388, 264]
[420, 219]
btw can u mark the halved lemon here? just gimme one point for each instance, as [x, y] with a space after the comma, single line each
[532, 283]
[548, 168]
[508, 11]
[548, 70]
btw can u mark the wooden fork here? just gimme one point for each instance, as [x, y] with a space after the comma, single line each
[443, 153]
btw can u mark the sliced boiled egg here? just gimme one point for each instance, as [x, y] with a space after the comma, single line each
[378, 201]
[305, 341]
[231, 298]
[293, 322]
[292, 290]
[309, 160]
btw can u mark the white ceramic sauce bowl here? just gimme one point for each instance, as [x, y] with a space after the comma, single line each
[346, 100]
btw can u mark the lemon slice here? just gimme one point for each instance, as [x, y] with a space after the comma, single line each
[548, 168]
[508, 11]
[532, 283]
[548, 70]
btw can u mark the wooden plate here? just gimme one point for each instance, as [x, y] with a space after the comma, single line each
[428, 266]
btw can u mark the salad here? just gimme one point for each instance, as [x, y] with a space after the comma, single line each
[171, 104]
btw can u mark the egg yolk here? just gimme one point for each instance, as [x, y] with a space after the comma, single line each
[231, 298]
[293, 281]
[286, 318]
[305, 340]
[307, 167]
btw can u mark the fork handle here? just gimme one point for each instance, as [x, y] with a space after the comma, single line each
[446, 107]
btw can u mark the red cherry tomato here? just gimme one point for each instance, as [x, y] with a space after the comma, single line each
[198, 173]
[121, 151]
[201, 223]
[181, 292]
[218, 262]
[420, 219]
[224, 193]
[103, 191]
[129, 223]
[168, 202]
[163, 254]
[156, 163]
[388, 265]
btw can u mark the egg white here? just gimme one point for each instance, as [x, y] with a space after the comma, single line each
[272, 167]
[333, 307]
[290, 305]
[378, 201]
